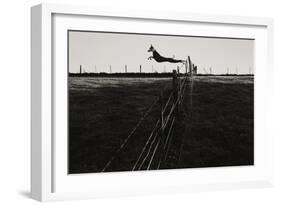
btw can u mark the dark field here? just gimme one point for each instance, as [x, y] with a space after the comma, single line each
[214, 128]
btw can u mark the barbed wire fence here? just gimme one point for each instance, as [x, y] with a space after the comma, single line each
[156, 148]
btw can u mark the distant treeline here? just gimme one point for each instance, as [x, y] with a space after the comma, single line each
[225, 75]
[128, 74]
[144, 75]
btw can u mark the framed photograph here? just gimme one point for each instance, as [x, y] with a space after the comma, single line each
[137, 102]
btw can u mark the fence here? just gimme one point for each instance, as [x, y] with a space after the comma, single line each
[156, 148]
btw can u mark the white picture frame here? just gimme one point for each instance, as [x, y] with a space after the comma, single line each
[49, 181]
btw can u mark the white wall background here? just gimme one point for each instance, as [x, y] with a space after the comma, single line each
[15, 102]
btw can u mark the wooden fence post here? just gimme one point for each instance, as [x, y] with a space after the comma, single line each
[175, 89]
[161, 113]
[190, 65]
[186, 67]
[193, 67]
[179, 78]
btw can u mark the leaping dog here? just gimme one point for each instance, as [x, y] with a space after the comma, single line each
[157, 57]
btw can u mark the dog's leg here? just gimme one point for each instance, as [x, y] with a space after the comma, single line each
[151, 57]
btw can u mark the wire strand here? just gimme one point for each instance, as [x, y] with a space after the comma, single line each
[130, 135]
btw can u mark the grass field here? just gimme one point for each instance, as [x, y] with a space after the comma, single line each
[214, 129]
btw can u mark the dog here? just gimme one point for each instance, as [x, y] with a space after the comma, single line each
[157, 57]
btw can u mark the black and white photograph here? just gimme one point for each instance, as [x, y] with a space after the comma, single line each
[139, 101]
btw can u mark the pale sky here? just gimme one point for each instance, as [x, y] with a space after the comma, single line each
[96, 51]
